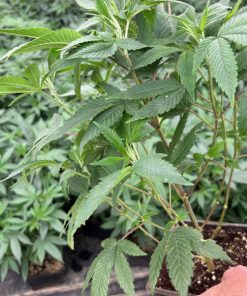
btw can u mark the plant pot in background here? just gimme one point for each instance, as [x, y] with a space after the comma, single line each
[51, 273]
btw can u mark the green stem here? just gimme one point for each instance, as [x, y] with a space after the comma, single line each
[228, 189]
[56, 97]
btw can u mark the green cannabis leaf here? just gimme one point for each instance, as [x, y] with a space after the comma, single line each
[112, 257]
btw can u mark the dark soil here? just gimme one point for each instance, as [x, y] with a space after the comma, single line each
[50, 266]
[234, 242]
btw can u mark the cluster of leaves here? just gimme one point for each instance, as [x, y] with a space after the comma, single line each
[31, 214]
[148, 68]
[31, 222]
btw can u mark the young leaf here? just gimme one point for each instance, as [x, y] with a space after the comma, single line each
[185, 71]
[201, 52]
[33, 75]
[215, 150]
[235, 29]
[242, 117]
[153, 167]
[154, 54]
[157, 262]
[99, 50]
[178, 132]
[234, 10]
[106, 118]
[112, 136]
[85, 206]
[203, 20]
[26, 32]
[181, 151]
[159, 105]
[224, 66]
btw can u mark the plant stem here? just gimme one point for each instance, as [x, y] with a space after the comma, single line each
[132, 231]
[202, 119]
[56, 97]
[140, 227]
[138, 215]
[228, 189]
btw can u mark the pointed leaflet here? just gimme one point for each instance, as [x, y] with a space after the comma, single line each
[159, 105]
[183, 148]
[157, 262]
[242, 117]
[16, 85]
[26, 32]
[235, 29]
[209, 249]
[88, 111]
[91, 271]
[129, 248]
[242, 59]
[224, 66]
[99, 50]
[33, 75]
[154, 54]
[112, 137]
[124, 274]
[179, 261]
[56, 39]
[86, 4]
[153, 167]
[106, 118]
[102, 273]
[78, 41]
[206, 248]
[185, 71]
[178, 132]
[86, 206]
[111, 160]
[111, 256]
[130, 44]
[149, 89]
[201, 53]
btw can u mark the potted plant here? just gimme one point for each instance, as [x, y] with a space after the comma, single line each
[150, 68]
[30, 227]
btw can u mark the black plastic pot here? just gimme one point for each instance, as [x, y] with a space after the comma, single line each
[42, 280]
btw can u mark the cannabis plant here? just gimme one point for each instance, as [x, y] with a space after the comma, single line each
[148, 67]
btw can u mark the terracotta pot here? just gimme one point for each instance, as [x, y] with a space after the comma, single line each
[160, 291]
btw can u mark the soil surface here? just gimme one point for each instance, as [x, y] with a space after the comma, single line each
[49, 266]
[234, 242]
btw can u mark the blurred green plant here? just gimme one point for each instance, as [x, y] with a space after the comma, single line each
[147, 67]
